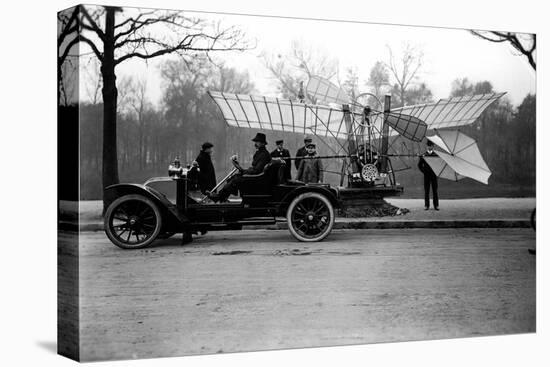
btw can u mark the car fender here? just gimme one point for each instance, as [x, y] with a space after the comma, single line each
[169, 211]
[330, 193]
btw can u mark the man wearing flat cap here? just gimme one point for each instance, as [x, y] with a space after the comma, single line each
[302, 152]
[282, 153]
[260, 159]
[311, 166]
[206, 174]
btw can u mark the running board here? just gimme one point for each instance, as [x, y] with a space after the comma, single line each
[267, 220]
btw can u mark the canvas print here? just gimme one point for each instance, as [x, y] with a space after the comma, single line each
[233, 183]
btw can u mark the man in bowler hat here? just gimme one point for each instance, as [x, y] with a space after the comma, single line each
[260, 159]
[282, 153]
[430, 178]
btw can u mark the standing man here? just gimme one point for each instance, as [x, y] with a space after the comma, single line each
[207, 174]
[281, 152]
[311, 167]
[430, 178]
[302, 152]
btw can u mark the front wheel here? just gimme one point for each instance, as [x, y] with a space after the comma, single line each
[310, 217]
[132, 222]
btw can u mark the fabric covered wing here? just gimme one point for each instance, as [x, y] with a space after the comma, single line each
[322, 90]
[462, 154]
[445, 113]
[408, 126]
[439, 142]
[442, 169]
[266, 113]
[466, 168]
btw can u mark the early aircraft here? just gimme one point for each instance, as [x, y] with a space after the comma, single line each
[138, 214]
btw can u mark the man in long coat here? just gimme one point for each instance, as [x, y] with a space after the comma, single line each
[311, 167]
[207, 174]
[430, 178]
[302, 151]
[281, 152]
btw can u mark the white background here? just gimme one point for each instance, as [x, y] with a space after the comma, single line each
[28, 183]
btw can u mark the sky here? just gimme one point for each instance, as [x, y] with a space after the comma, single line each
[448, 54]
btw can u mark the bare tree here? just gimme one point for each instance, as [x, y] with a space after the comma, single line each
[461, 87]
[94, 84]
[67, 38]
[524, 43]
[378, 78]
[114, 35]
[297, 66]
[351, 83]
[404, 68]
[140, 104]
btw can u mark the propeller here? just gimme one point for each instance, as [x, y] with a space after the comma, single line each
[320, 89]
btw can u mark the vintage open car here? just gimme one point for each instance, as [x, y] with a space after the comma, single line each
[138, 214]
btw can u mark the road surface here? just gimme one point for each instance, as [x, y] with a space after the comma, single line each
[259, 289]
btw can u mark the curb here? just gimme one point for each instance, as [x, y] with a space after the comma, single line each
[358, 224]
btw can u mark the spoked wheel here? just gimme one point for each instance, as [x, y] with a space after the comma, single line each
[132, 222]
[310, 217]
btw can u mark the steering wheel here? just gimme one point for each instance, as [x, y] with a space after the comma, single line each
[237, 166]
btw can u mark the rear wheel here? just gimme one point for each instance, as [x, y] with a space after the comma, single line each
[132, 222]
[310, 217]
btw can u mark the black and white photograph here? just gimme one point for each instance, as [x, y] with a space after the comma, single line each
[236, 183]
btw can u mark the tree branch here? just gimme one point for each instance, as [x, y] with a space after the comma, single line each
[67, 27]
[94, 48]
[62, 58]
[93, 25]
[513, 40]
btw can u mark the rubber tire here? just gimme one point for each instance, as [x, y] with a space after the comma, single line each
[293, 204]
[115, 204]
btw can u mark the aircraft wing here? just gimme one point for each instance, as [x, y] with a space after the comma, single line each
[453, 112]
[266, 113]
[322, 90]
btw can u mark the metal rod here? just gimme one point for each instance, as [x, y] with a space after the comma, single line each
[321, 157]
[220, 183]
[224, 179]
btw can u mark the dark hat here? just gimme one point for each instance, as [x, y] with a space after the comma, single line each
[260, 137]
[430, 143]
[207, 145]
[279, 142]
[307, 138]
[310, 145]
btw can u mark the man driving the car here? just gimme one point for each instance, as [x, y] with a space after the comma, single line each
[260, 159]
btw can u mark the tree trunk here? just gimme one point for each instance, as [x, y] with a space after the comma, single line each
[109, 91]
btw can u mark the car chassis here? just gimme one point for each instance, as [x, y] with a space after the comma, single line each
[138, 214]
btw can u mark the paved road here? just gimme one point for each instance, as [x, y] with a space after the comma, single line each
[253, 290]
[460, 209]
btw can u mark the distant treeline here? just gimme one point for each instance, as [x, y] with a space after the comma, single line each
[150, 137]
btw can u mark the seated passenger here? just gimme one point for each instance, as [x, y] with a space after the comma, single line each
[259, 161]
